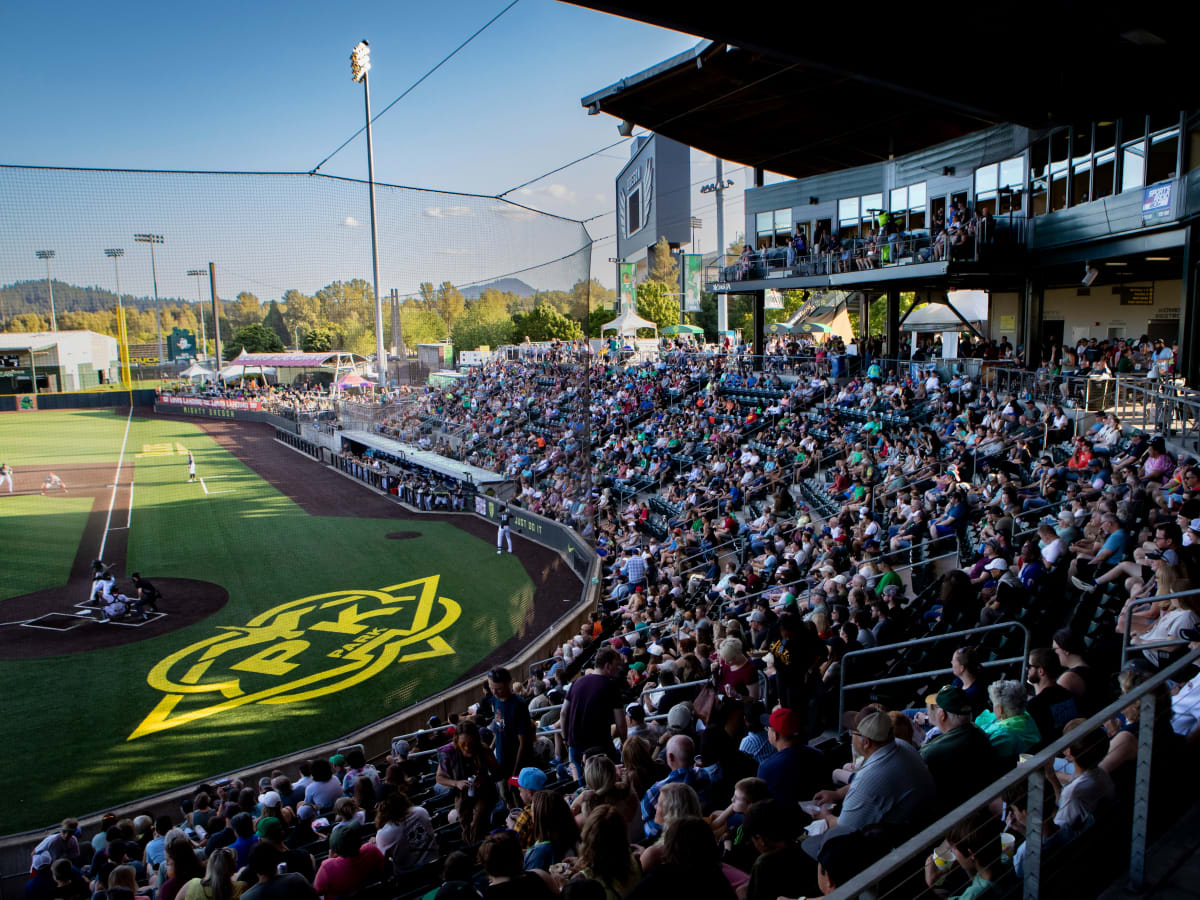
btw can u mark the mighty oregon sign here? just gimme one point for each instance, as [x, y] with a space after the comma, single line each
[301, 650]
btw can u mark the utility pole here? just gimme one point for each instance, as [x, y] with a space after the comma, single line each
[212, 288]
[722, 298]
[153, 239]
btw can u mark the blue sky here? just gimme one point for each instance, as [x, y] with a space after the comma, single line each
[266, 87]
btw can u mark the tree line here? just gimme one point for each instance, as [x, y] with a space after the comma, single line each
[341, 315]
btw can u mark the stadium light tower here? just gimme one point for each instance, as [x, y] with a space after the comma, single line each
[200, 273]
[122, 341]
[153, 239]
[48, 255]
[360, 64]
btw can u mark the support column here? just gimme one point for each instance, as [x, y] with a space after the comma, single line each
[1029, 325]
[759, 299]
[1188, 363]
[892, 328]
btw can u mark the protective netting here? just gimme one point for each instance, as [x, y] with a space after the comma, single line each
[268, 234]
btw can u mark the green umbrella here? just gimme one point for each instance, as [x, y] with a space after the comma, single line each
[813, 328]
[681, 329]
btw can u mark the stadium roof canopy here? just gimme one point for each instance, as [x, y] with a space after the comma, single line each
[820, 88]
[338, 359]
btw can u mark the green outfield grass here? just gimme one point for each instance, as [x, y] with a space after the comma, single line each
[84, 711]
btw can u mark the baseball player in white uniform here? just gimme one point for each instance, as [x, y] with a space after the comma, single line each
[191, 467]
[504, 532]
[6, 474]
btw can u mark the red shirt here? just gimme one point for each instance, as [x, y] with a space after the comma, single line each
[340, 876]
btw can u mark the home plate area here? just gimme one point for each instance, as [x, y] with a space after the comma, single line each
[130, 618]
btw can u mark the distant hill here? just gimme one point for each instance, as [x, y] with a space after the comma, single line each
[505, 285]
[33, 297]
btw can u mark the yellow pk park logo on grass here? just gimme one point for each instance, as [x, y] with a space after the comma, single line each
[301, 650]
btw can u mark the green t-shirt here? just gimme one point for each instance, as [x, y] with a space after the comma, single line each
[978, 889]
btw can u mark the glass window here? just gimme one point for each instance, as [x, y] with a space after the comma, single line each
[765, 228]
[1133, 158]
[1039, 176]
[986, 181]
[848, 209]
[1103, 170]
[783, 227]
[1193, 151]
[1133, 128]
[634, 209]
[1059, 165]
[1106, 136]
[916, 205]
[1012, 172]
[1164, 149]
[899, 200]
[872, 206]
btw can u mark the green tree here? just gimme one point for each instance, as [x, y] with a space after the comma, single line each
[421, 326]
[598, 319]
[544, 323]
[486, 322]
[450, 304]
[666, 267]
[243, 311]
[254, 338]
[26, 322]
[274, 320]
[655, 303]
[318, 340]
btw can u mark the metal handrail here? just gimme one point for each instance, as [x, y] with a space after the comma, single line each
[1032, 769]
[916, 642]
[1127, 632]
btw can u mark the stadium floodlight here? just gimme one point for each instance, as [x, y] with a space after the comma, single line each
[115, 254]
[153, 239]
[360, 61]
[198, 274]
[48, 255]
[360, 64]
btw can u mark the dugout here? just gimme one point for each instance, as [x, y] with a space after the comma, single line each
[412, 458]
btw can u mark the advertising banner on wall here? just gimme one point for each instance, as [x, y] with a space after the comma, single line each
[1156, 202]
[773, 299]
[693, 274]
[627, 272]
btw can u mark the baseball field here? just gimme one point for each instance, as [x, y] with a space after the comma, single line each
[297, 605]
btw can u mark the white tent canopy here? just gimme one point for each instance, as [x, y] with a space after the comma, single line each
[628, 323]
[237, 370]
[936, 317]
[195, 370]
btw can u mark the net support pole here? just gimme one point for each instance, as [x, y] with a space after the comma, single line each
[212, 289]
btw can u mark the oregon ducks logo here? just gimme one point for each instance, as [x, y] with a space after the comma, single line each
[301, 650]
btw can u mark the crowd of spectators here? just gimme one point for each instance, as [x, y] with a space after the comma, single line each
[754, 529]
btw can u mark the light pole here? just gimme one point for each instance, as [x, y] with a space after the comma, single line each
[122, 338]
[200, 273]
[48, 255]
[360, 64]
[153, 239]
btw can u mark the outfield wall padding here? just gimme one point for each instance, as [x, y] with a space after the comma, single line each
[80, 400]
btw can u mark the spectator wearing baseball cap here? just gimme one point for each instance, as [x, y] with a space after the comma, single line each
[893, 787]
[527, 782]
[793, 772]
[961, 759]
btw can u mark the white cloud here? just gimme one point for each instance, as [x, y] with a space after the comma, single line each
[438, 212]
[350, 222]
[554, 191]
[509, 211]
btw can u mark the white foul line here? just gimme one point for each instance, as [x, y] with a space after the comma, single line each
[116, 481]
[211, 493]
[129, 513]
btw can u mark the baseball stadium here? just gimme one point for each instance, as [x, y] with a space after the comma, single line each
[362, 541]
